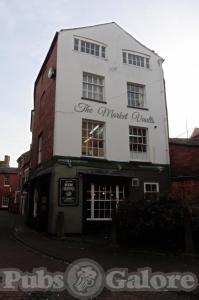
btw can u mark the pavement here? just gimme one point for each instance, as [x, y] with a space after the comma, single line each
[24, 248]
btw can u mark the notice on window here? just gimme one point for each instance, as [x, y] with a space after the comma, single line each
[67, 192]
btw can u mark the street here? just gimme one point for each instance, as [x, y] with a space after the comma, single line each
[14, 254]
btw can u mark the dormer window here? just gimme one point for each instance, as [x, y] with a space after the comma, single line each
[135, 59]
[89, 48]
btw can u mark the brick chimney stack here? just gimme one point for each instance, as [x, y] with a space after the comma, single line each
[7, 161]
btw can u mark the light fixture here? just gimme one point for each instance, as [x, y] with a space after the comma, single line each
[88, 139]
[51, 73]
[94, 129]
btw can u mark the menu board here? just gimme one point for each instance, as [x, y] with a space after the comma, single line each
[67, 192]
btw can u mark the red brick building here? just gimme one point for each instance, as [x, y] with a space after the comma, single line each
[22, 185]
[8, 183]
[184, 155]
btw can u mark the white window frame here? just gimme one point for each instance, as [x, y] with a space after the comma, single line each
[6, 180]
[93, 136]
[136, 59]
[90, 47]
[156, 184]
[26, 174]
[140, 142]
[136, 95]
[5, 201]
[93, 87]
[108, 199]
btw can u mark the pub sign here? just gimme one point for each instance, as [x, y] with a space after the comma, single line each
[68, 192]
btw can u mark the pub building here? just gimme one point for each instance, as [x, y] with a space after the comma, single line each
[99, 129]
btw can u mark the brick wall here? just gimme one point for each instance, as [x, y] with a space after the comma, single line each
[184, 160]
[186, 191]
[185, 172]
[8, 191]
[44, 106]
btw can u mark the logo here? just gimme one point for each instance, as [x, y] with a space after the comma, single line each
[84, 278]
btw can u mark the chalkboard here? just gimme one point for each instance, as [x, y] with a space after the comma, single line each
[68, 192]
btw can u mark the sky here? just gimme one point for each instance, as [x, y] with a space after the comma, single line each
[170, 27]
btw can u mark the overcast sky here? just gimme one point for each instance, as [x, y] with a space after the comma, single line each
[170, 27]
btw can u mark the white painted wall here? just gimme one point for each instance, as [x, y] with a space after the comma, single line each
[70, 67]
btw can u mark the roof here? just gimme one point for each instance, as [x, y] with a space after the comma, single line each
[113, 23]
[45, 60]
[195, 133]
[25, 154]
[76, 28]
[8, 170]
[184, 142]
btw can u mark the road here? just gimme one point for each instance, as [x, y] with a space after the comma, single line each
[14, 254]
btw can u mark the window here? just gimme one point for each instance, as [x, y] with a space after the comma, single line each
[124, 57]
[136, 60]
[7, 180]
[135, 94]
[76, 44]
[138, 143]
[92, 138]
[5, 201]
[39, 156]
[101, 200]
[89, 47]
[26, 174]
[103, 52]
[93, 87]
[151, 191]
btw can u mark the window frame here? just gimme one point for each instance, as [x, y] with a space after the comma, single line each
[3, 201]
[89, 47]
[39, 149]
[156, 193]
[7, 180]
[93, 138]
[105, 203]
[140, 145]
[141, 95]
[91, 89]
[136, 59]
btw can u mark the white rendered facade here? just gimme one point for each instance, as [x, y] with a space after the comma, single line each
[117, 116]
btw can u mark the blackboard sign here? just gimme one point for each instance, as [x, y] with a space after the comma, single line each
[67, 191]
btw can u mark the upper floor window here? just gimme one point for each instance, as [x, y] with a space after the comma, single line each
[89, 47]
[136, 60]
[138, 143]
[6, 180]
[26, 174]
[93, 87]
[135, 94]
[93, 138]
[39, 154]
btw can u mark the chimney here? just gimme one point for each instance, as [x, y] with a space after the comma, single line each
[7, 161]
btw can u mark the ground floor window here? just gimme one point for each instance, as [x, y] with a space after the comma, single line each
[151, 191]
[5, 201]
[101, 201]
